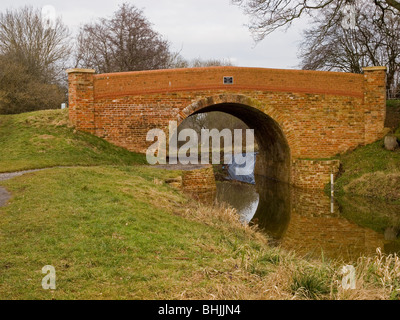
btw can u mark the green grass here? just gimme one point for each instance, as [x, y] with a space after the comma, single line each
[44, 139]
[312, 283]
[367, 160]
[113, 230]
[117, 233]
[109, 232]
[393, 104]
[372, 170]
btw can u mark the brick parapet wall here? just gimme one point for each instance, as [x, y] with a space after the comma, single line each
[374, 103]
[81, 99]
[114, 85]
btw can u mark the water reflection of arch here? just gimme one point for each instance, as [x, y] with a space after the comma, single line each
[274, 207]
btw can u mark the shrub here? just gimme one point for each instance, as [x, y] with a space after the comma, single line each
[22, 92]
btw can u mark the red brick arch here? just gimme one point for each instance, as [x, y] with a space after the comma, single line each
[218, 99]
[274, 156]
[320, 114]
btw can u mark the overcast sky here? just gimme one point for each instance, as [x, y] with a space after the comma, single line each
[207, 29]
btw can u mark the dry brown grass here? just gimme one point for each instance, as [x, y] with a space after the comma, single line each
[225, 218]
[377, 184]
[238, 281]
[237, 285]
[45, 118]
[252, 273]
[377, 278]
[267, 273]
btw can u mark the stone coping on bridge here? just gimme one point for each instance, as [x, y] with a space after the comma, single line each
[124, 73]
[378, 68]
[264, 79]
[77, 70]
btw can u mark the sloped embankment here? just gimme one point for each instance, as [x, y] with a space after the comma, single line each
[44, 139]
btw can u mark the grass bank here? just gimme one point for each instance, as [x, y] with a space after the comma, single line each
[372, 170]
[44, 139]
[117, 233]
[113, 230]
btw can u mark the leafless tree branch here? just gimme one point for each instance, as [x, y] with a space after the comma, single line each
[124, 42]
[267, 16]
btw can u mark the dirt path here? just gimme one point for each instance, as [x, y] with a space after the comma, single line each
[10, 175]
[4, 196]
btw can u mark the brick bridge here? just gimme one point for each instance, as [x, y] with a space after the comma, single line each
[300, 117]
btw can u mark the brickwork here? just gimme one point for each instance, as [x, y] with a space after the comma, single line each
[375, 99]
[296, 114]
[200, 184]
[81, 99]
[313, 174]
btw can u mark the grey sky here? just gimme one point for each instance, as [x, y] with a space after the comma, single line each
[198, 28]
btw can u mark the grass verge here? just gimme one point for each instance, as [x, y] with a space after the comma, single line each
[118, 233]
[44, 139]
[371, 170]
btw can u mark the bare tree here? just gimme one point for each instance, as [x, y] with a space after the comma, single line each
[329, 46]
[42, 48]
[212, 120]
[199, 63]
[33, 54]
[179, 62]
[123, 42]
[268, 15]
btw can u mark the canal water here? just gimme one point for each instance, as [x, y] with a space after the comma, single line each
[306, 221]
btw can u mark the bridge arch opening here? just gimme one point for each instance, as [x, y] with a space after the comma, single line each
[274, 156]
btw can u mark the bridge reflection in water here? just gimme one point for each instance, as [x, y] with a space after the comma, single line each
[302, 220]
